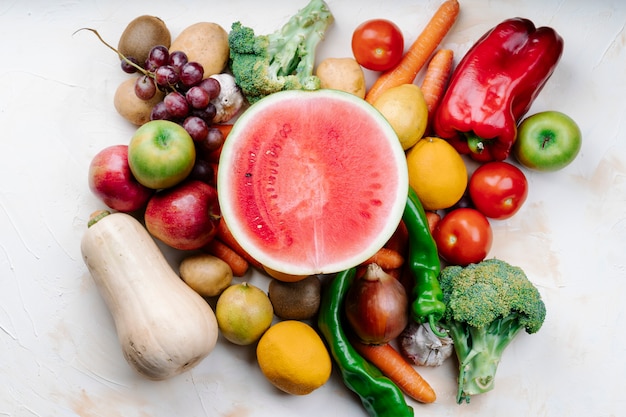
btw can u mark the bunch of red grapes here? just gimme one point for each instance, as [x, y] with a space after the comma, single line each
[188, 94]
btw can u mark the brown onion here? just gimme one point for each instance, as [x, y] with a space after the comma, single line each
[377, 306]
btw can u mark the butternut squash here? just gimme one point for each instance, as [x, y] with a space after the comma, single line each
[164, 327]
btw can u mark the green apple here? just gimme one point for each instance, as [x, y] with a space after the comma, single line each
[161, 154]
[547, 141]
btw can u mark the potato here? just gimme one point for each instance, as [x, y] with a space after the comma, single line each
[206, 274]
[343, 74]
[205, 43]
[131, 107]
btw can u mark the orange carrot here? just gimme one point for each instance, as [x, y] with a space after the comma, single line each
[435, 80]
[391, 363]
[225, 236]
[418, 53]
[238, 264]
[433, 218]
[224, 128]
[396, 273]
[398, 242]
[386, 258]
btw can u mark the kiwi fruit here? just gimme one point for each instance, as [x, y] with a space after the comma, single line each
[141, 34]
[298, 300]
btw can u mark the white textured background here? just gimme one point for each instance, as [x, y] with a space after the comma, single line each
[59, 352]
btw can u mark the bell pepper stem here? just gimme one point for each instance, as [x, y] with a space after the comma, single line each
[476, 144]
[432, 322]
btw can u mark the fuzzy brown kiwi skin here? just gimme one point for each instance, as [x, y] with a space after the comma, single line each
[298, 300]
[141, 34]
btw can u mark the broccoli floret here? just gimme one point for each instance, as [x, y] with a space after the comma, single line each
[487, 304]
[283, 60]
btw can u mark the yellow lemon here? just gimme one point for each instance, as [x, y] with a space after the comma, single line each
[405, 109]
[437, 173]
[293, 357]
[244, 312]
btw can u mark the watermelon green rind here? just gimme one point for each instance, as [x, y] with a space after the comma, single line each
[312, 182]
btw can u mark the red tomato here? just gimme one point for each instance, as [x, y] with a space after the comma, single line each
[377, 44]
[498, 189]
[463, 236]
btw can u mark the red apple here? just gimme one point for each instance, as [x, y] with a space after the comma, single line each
[185, 216]
[112, 181]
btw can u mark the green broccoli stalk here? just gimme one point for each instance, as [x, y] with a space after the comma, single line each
[283, 60]
[487, 305]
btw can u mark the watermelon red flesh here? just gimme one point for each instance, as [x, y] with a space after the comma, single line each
[313, 185]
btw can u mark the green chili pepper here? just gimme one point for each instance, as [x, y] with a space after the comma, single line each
[378, 394]
[424, 265]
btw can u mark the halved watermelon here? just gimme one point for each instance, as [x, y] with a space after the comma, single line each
[312, 182]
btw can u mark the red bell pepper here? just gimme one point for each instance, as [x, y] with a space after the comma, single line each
[494, 85]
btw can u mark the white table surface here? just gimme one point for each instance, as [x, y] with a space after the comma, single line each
[60, 354]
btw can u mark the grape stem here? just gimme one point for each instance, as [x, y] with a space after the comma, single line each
[139, 68]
